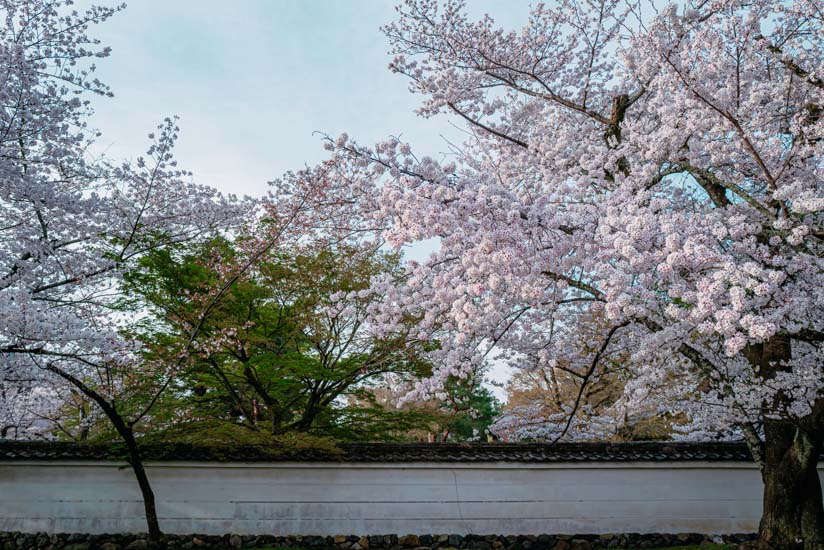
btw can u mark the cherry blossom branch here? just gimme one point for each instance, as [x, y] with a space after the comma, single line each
[585, 379]
[794, 67]
[575, 284]
[486, 128]
[702, 173]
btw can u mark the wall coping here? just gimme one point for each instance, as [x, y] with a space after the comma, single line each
[464, 453]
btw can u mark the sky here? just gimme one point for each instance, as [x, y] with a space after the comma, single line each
[255, 81]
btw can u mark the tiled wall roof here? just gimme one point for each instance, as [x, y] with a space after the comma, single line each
[390, 452]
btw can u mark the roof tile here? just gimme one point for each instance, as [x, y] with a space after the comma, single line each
[394, 452]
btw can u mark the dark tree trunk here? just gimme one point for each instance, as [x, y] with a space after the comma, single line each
[793, 512]
[125, 431]
[793, 516]
[277, 419]
[136, 462]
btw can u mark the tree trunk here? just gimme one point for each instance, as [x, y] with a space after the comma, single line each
[277, 419]
[136, 462]
[793, 516]
[793, 512]
[135, 459]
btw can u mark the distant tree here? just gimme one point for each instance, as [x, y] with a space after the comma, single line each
[287, 345]
[540, 393]
[474, 409]
[463, 412]
[538, 401]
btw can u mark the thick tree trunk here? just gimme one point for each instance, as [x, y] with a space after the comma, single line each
[793, 516]
[793, 513]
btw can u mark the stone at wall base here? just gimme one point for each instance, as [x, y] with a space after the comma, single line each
[79, 541]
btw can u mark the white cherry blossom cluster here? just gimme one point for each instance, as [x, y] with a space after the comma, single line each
[642, 182]
[70, 224]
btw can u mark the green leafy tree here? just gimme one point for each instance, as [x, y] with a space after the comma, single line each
[478, 410]
[464, 413]
[286, 350]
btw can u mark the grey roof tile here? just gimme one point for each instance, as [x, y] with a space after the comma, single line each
[394, 452]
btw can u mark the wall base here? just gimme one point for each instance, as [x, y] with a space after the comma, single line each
[16, 541]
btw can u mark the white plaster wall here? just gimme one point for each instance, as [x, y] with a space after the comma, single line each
[327, 499]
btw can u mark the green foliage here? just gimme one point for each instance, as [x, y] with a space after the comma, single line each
[217, 435]
[279, 353]
[480, 408]
[464, 414]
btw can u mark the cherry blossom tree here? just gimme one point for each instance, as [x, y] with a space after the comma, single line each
[25, 408]
[640, 179]
[71, 224]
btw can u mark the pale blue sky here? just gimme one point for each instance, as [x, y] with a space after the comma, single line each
[253, 79]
